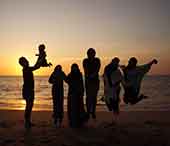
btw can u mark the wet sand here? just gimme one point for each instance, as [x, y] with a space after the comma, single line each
[134, 128]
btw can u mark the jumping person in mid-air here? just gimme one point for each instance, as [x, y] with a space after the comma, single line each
[133, 76]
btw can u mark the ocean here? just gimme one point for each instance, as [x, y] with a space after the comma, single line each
[156, 87]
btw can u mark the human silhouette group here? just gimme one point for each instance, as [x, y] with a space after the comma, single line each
[115, 75]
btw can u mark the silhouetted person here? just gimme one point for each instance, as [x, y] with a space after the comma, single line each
[133, 78]
[28, 87]
[75, 97]
[112, 79]
[42, 55]
[56, 79]
[91, 67]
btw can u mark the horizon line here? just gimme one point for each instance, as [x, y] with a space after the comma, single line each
[83, 74]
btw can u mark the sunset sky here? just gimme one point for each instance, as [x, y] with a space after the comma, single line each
[122, 28]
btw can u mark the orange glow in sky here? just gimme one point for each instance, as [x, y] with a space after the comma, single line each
[68, 28]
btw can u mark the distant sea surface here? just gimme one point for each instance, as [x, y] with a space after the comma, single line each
[156, 87]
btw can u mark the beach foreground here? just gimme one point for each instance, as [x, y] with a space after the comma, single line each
[133, 128]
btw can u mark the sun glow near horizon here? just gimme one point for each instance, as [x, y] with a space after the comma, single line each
[13, 67]
[114, 28]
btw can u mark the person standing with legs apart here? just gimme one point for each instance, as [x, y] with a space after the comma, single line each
[91, 66]
[28, 87]
[56, 79]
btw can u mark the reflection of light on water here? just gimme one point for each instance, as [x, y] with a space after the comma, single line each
[12, 104]
[22, 105]
[11, 94]
[39, 105]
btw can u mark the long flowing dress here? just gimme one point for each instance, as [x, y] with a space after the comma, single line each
[75, 99]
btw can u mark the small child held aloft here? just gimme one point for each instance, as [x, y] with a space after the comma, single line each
[56, 79]
[42, 55]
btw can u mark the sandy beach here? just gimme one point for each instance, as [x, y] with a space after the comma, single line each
[133, 128]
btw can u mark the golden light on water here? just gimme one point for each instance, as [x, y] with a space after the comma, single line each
[22, 105]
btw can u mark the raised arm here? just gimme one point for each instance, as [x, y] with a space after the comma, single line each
[154, 61]
[146, 67]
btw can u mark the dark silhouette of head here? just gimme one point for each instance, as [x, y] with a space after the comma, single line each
[113, 65]
[41, 47]
[132, 62]
[75, 68]
[58, 68]
[115, 61]
[23, 62]
[91, 53]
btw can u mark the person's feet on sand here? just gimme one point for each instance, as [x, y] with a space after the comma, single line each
[93, 116]
[28, 125]
[113, 123]
[57, 123]
[60, 125]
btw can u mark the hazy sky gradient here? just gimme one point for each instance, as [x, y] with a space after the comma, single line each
[121, 28]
